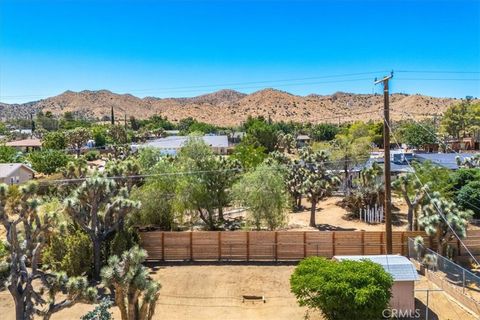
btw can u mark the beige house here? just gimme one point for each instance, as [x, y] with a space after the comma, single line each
[15, 173]
[404, 276]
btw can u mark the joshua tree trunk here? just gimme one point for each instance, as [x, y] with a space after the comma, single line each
[313, 210]
[97, 257]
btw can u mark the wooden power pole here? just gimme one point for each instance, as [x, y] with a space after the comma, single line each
[386, 154]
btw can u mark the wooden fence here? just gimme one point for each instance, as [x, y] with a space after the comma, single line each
[267, 245]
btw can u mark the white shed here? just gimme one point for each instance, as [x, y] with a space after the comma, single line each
[404, 276]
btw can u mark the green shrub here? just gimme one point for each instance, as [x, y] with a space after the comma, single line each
[123, 240]
[48, 161]
[469, 197]
[71, 253]
[92, 155]
[342, 290]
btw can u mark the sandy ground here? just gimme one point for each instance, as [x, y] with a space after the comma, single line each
[215, 292]
[330, 216]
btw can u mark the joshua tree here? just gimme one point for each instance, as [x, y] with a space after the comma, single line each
[470, 162]
[127, 168]
[285, 142]
[77, 138]
[414, 194]
[135, 292]
[433, 218]
[319, 182]
[99, 207]
[33, 289]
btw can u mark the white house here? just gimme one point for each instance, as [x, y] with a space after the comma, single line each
[172, 144]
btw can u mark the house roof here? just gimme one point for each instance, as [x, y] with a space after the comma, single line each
[6, 169]
[399, 267]
[25, 143]
[176, 142]
[446, 160]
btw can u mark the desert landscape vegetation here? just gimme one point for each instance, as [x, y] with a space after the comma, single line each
[223, 160]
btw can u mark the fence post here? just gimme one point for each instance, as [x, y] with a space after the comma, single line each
[381, 243]
[276, 245]
[219, 245]
[333, 244]
[248, 246]
[304, 244]
[363, 242]
[163, 246]
[191, 245]
[403, 244]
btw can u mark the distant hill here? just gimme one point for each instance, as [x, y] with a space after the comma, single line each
[229, 107]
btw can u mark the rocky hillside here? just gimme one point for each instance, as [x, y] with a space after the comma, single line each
[229, 107]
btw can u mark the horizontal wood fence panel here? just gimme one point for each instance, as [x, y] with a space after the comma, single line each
[268, 245]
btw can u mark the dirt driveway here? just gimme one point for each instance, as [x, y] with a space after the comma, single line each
[211, 292]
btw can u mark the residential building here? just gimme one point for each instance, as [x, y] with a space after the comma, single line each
[171, 145]
[15, 173]
[26, 145]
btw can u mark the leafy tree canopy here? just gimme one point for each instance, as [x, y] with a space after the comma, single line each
[343, 290]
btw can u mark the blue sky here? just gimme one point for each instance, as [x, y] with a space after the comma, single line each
[186, 48]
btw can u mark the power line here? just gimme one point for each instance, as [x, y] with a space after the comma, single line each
[437, 71]
[439, 79]
[430, 197]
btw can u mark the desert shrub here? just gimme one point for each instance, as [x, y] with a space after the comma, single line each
[92, 155]
[123, 240]
[342, 290]
[71, 253]
[100, 312]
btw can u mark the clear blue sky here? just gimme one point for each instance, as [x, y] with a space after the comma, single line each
[170, 48]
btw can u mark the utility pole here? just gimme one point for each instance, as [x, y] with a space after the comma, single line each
[386, 154]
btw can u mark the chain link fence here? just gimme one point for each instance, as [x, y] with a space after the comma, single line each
[453, 274]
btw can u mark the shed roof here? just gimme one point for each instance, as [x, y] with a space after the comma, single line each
[6, 169]
[176, 142]
[399, 267]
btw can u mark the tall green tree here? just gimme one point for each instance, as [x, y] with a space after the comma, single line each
[263, 193]
[461, 120]
[206, 189]
[249, 155]
[48, 161]
[9, 154]
[351, 147]
[417, 134]
[56, 140]
[261, 133]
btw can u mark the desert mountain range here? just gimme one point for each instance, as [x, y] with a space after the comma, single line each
[229, 107]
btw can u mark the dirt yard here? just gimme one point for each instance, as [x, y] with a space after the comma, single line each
[330, 216]
[215, 292]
